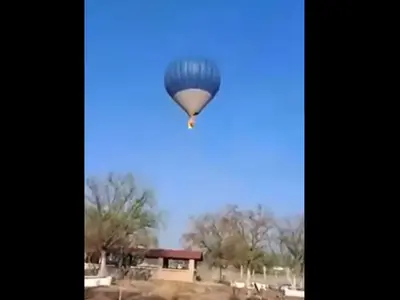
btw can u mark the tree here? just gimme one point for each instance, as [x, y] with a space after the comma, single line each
[251, 238]
[232, 237]
[117, 214]
[210, 232]
[291, 239]
[251, 229]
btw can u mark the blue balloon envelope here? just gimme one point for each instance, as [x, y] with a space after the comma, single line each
[192, 84]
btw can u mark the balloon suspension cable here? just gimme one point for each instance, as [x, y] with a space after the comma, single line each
[190, 122]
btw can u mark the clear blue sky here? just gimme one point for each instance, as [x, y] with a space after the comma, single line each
[248, 144]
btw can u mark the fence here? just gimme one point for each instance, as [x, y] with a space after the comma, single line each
[207, 274]
[232, 274]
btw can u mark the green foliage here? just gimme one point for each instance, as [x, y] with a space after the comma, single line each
[117, 213]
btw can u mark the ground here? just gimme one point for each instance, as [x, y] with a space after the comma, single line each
[168, 290]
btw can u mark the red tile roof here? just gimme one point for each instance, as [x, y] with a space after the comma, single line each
[163, 253]
[174, 254]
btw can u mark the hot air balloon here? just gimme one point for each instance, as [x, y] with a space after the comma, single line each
[192, 84]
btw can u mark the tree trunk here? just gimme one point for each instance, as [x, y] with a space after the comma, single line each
[103, 266]
[121, 261]
[265, 273]
[289, 276]
[220, 274]
[297, 273]
[294, 281]
[248, 277]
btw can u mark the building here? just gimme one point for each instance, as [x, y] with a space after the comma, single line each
[165, 264]
[179, 265]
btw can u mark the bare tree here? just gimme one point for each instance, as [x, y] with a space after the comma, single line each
[117, 214]
[232, 237]
[211, 233]
[291, 239]
[252, 229]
